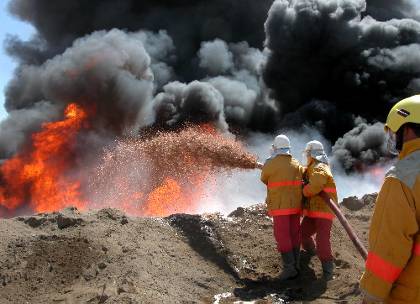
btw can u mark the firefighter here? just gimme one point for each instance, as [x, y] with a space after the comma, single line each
[318, 217]
[392, 273]
[282, 175]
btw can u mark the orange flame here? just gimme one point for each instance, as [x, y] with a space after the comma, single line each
[172, 197]
[38, 177]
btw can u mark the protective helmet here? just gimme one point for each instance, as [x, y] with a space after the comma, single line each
[315, 150]
[281, 142]
[314, 145]
[405, 111]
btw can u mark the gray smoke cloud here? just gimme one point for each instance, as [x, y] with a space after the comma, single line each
[185, 41]
[383, 10]
[240, 90]
[333, 51]
[188, 22]
[364, 145]
[108, 73]
[316, 63]
[238, 99]
[20, 123]
[246, 98]
[215, 57]
[160, 47]
[196, 102]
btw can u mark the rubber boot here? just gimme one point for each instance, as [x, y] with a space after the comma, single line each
[296, 253]
[289, 267]
[328, 270]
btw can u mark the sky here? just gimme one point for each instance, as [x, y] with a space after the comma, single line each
[10, 25]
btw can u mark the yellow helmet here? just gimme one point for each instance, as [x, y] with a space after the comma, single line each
[405, 111]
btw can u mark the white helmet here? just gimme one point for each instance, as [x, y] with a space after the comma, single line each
[281, 142]
[280, 146]
[315, 149]
[314, 146]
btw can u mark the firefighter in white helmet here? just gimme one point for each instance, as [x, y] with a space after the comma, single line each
[393, 266]
[318, 217]
[282, 175]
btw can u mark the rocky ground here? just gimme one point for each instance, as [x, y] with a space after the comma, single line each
[107, 257]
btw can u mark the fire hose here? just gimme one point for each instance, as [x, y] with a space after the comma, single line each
[344, 222]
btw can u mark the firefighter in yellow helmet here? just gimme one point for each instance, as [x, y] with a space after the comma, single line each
[318, 217]
[283, 176]
[392, 272]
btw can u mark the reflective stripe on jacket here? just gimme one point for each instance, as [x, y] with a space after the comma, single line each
[283, 177]
[392, 272]
[319, 178]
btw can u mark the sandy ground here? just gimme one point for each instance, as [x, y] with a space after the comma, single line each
[106, 257]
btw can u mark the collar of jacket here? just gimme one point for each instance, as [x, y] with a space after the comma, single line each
[278, 155]
[313, 162]
[409, 147]
[286, 155]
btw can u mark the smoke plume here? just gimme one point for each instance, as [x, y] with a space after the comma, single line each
[364, 145]
[188, 22]
[383, 10]
[243, 65]
[109, 73]
[325, 50]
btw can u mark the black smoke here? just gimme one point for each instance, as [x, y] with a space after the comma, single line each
[383, 10]
[364, 145]
[259, 65]
[233, 71]
[57, 67]
[324, 50]
[336, 52]
[188, 22]
[108, 73]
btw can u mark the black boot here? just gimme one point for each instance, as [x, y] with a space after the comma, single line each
[328, 270]
[289, 267]
[296, 253]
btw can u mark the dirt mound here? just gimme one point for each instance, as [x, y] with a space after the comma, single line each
[354, 203]
[106, 257]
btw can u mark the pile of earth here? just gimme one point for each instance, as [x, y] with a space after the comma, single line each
[107, 257]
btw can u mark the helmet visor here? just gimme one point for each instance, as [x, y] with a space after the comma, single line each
[391, 142]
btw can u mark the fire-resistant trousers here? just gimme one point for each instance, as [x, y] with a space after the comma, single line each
[321, 228]
[287, 232]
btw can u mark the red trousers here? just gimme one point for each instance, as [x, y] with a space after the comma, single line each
[287, 232]
[322, 229]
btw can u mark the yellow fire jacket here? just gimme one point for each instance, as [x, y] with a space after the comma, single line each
[319, 178]
[283, 177]
[393, 266]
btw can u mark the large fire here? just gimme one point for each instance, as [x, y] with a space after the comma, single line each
[170, 197]
[38, 177]
[43, 178]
